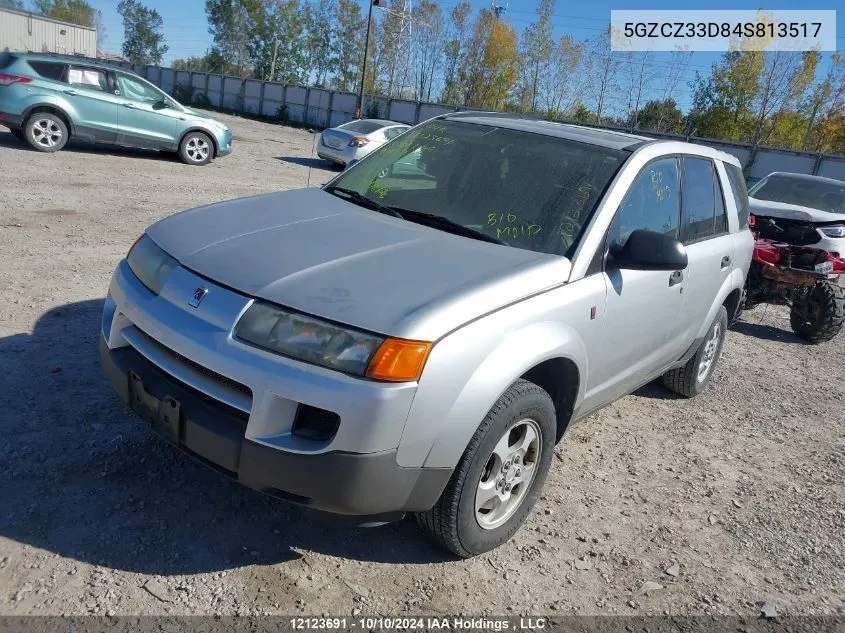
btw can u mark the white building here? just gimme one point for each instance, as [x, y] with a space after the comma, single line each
[24, 31]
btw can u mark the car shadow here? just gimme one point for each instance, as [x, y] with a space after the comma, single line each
[307, 161]
[767, 332]
[82, 147]
[83, 478]
[656, 391]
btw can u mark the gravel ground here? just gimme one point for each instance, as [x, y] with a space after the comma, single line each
[723, 502]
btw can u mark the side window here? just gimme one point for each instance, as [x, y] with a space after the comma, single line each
[393, 132]
[91, 78]
[739, 192]
[138, 91]
[698, 204]
[651, 203]
[49, 70]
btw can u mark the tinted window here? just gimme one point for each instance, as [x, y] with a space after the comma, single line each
[49, 70]
[92, 78]
[530, 191]
[362, 127]
[137, 90]
[816, 194]
[698, 200]
[6, 60]
[651, 203]
[739, 192]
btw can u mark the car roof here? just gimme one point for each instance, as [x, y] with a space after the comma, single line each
[594, 136]
[807, 177]
[67, 59]
[611, 139]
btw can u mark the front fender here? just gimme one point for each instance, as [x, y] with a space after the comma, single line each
[468, 371]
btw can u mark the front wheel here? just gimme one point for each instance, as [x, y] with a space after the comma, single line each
[693, 378]
[499, 478]
[196, 149]
[819, 314]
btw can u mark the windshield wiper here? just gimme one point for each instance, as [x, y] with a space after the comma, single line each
[362, 200]
[444, 223]
[427, 219]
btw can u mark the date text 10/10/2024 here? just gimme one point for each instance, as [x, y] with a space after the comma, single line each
[420, 623]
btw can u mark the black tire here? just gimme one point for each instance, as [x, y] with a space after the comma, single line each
[45, 132]
[452, 521]
[196, 148]
[691, 379]
[818, 316]
[18, 133]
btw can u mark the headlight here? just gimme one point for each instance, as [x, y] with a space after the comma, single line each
[833, 231]
[150, 264]
[322, 343]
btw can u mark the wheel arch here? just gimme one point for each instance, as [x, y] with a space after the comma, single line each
[731, 291]
[196, 128]
[464, 386]
[52, 109]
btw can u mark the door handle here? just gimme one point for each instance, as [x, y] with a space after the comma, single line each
[726, 261]
[129, 105]
[675, 278]
[72, 93]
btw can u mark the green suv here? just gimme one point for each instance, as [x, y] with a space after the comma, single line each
[48, 99]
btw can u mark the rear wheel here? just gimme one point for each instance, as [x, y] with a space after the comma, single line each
[819, 314]
[45, 132]
[693, 378]
[499, 478]
[196, 149]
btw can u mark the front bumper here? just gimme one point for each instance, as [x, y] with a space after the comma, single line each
[224, 145]
[242, 428]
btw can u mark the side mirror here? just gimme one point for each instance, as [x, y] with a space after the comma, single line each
[648, 250]
[164, 103]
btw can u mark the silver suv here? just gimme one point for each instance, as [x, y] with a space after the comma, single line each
[418, 334]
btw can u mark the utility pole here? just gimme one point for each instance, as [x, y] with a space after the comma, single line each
[273, 64]
[360, 101]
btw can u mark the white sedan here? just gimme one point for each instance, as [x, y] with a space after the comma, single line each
[354, 140]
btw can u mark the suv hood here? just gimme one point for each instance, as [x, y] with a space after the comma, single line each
[771, 209]
[316, 253]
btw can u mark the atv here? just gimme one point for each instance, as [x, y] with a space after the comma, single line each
[787, 269]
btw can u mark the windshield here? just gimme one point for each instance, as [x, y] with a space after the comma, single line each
[526, 190]
[815, 194]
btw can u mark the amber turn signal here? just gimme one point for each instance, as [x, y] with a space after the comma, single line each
[399, 360]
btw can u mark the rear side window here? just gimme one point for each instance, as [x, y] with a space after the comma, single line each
[702, 206]
[6, 60]
[739, 192]
[49, 70]
[92, 78]
[362, 127]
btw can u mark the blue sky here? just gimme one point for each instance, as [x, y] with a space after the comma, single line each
[186, 28]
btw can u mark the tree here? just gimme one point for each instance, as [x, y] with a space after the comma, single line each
[453, 51]
[562, 85]
[12, 4]
[637, 79]
[489, 68]
[536, 52]
[73, 11]
[660, 116]
[143, 41]
[348, 44]
[427, 46]
[784, 80]
[278, 42]
[669, 79]
[603, 68]
[230, 24]
[318, 40]
[199, 64]
[582, 114]
[826, 98]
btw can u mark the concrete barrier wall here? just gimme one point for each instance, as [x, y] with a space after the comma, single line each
[321, 108]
